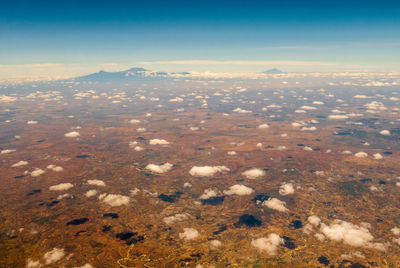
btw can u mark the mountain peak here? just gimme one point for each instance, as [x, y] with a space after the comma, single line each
[274, 71]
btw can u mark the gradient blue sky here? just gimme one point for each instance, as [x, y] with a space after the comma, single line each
[164, 35]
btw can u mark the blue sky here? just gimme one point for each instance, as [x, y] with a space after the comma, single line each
[224, 35]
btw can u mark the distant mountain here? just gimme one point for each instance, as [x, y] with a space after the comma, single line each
[137, 74]
[274, 71]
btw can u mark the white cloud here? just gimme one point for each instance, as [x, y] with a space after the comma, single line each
[308, 128]
[114, 200]
[20, 164]
[134, 121]
[231, 153]
[314, 220]
[239, 190]
[189, 234]
[395, 230]
[253, 173]
[96, 182]
[361, 154]
[159, 168]
[241, 111]
[90, 193]
[385, 132]
[177, 217]
[37, 172]
[33, 264]
[215, 243]
[286, 188]
[72, 134]
[207, 171]
[53, 255]
[305, 107]
[177, 99]
[55, 168]
[61, 187]
[361, 97]
[208, 193]
[269, 244]
[338, 116]
[7, 151]
[158, 142]
[378, 156]
[276, 204]
[263, 126]
[32, 122]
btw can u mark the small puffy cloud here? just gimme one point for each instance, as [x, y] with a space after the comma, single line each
[318, 102]
[305, 107]
[286, 188]
[395, 230]
[158, 142]
[308, 128]
[361, 97]
[55, 168]
[53, 255]
[7, 151]
[134, 121]
[177, 99]
[207, 171]
[241, 111]
[275, 204]
[114, 200]
[378, 156]
[239, 189]
[361, 154]
[33, 264]
[215, 243]
[72, 134]
[32, 122]
[254, 173]
[141, 129]
[307, 148]
[262, 126]
[208, 193]
[338, 116]
[314, 220]
[61, 187]
[37, 172]
[177, 217]
[20, 164]
[96, 182]
[269, 244]
[385, 132]
[90, 193]
[189, 234]
[159, 168]
[231, 153]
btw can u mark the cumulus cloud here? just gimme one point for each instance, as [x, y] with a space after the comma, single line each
[72, 134]
[177, 217]
[231, 153]
[239, 189]
[158, 142]
[134, 121]
[53, 255]
[114, 200]
[207, 171]
[177, 99]
[37, 172]
[20, 164]
[286, 188]
[7, 151]
[241, 111]
[345, 232]
[32, 122]
[215, 243]
[208, 193]
[189, 234]
[308, 128]
[269, 244]
[275, 204]
[55, 168]
[263, 126]
[385, 132]
[361, 154]
[96, 182]
[338, 116]
[33, 264]
[378, 156]
[253, 173]
[90, 193]
[61, 187]
[159, 168]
